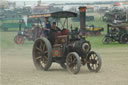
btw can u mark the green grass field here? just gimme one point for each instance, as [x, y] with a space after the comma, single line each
[7, 42]
[7, 38]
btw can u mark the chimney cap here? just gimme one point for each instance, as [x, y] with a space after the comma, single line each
[82, 7]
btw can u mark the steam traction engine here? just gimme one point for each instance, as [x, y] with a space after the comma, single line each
[70, 49]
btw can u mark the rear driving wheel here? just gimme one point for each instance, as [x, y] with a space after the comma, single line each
[73, 62]
[42, 54]
[106, 40]
[124, 38]
[94, 61]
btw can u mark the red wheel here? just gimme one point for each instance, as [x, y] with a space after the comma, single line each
[19, 39]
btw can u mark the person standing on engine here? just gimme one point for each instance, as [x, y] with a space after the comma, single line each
[47, 26]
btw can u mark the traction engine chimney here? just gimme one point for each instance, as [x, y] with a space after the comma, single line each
[82, 19]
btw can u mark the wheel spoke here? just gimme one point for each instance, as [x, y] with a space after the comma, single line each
[90, 64]
[46, 52]
[45, 58]
[96, 58]
[38, 53]
[91, 57]
[39, 57]
[74, 60]
[38, 49]
[94, 66]
[74, 68]
[42, 63]
[71, 68]
[71, 63]
[44, 47]
[97, 65]
[41, 44]
[71, 58]
[97, 62]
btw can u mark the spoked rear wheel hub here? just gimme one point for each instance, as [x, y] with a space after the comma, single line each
[94, 61]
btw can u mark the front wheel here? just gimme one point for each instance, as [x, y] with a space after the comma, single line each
[73, 62]
[94, 61]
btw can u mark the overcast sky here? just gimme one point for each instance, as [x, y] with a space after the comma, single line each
[67, 0]
[34, 2]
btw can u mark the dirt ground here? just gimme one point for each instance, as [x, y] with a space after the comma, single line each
[18, 69]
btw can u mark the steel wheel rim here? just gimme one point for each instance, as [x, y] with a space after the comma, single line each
[93, 61]
[125, 38]
[41, 53]
[72, 63]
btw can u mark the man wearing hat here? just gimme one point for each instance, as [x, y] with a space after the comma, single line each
[55, 28]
